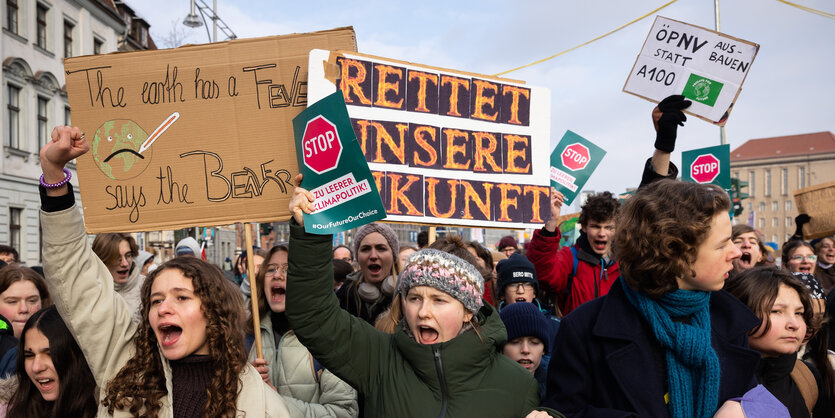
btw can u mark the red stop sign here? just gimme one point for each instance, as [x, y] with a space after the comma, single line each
[575, 156]
[321, 148]
[705, 168]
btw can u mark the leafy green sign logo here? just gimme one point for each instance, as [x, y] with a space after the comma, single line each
[702, 90]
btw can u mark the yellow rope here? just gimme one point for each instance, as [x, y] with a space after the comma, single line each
[586, 43]
[809, 9]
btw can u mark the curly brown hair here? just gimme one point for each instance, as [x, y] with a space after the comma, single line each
[140, 384]
[659, 231]
[600, 207]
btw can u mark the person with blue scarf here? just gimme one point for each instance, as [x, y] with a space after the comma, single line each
[666, 341]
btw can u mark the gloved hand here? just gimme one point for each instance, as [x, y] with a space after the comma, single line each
[667, 117]
[799, 221]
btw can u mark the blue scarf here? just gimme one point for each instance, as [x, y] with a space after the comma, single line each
[692, 365]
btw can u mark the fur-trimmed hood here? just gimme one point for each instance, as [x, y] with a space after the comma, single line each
[7, 388]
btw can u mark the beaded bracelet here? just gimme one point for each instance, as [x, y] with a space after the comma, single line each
[60, 183]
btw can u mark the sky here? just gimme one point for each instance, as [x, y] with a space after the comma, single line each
[788, 89]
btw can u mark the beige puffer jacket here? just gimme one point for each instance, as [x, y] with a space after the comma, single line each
[82, 289]
[306, 392]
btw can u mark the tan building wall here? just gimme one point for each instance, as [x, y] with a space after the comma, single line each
[772, 183]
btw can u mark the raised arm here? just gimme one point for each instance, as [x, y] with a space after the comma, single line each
[79, 283]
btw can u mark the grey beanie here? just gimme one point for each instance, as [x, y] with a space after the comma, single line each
[445, 272]
[384, 230]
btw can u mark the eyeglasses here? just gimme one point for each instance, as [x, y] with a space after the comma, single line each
[525, 286]
[811, 258]
[273, 268]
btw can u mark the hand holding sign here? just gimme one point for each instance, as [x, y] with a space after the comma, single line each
[667, 117]
[556, 205]
[301, 202]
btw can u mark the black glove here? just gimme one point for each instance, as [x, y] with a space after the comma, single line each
[671, 118]
[799, 221]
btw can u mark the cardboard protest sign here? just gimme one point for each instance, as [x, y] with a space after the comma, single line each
[705, 66]
[572, 162]
[711, 165]
[444, 146]
[197, 135]
[817, 202]
[334, 169]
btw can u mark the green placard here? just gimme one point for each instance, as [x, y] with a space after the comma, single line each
[572, 162]
[702, 89]
[334, 169]
[711, 165]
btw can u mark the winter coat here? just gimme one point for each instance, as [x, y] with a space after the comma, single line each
[82, 289]
[775, 374]
[307, 392]
[8, 387]
[609, 364]
[554, 266]
[131, 291]
[463, 377]
[826, 277]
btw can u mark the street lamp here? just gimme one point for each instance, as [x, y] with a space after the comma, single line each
[192, 20]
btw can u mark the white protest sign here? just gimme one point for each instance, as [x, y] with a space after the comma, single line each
[705, 66]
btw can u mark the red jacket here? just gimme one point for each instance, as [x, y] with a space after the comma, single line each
[554, 265]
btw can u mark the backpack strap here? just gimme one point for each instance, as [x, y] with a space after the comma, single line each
[806, 383]
[318, 368]
[574, 261]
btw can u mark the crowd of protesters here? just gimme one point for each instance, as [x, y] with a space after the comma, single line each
[660, 308]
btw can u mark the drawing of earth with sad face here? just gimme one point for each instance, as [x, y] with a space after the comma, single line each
[116, 149]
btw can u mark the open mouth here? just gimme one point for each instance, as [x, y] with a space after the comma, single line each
[128, 150]
[374, 268]
[277, 293]
[45, 384]
[427, 335]
[169, 334]
[599, 245]
[526, 363]
[804, 268]
[521, 299]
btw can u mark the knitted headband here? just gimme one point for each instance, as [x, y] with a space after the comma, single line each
[384, 230]
[444, 272]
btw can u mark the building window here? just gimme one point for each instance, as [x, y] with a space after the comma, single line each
[767, 182]
[11, 16]
[736, 175]
[752, 184]
[40, 26]
[144, 36]
[775, 221]
[784, 187]
[801, 177]
[749, 206]
[762, 207]
[68, 27]
[14, 227]
[43, 121]
[762, 222]
[774, 206]
[774, 238]
[97, 45]
[788, 206]
[13, 106]
[67, 118]
[788, 221]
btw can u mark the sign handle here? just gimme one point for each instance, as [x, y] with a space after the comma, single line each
[250, 270]
[432, 234]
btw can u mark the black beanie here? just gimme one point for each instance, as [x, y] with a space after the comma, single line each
[523, 319]
[516, 269]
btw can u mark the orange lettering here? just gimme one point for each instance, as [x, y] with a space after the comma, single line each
[512, 153]
[421, 141]
[452, 149]
[505, 201]
[515, 92]
[536, 192]
[431, 198]
[350, 84]
[363, 139]
[471, 195]
[485, 154]
[398, 148]
[422, 78]
[398, 194]
[481, 100]
[384, 86]
[454, 83]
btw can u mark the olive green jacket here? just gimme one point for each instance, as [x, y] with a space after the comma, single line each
[463, 377]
